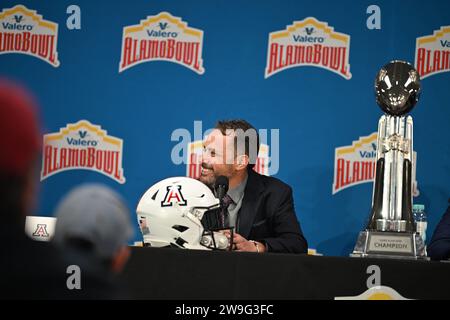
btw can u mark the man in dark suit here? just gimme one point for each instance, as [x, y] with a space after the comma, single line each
[439, 247]
[260, 208]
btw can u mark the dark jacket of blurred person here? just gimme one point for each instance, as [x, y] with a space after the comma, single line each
[439, 247]
[28, 269]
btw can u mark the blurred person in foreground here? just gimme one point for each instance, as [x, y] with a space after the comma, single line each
[92, 230]
[28, 269]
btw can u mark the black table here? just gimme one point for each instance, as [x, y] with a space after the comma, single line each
[162, 273]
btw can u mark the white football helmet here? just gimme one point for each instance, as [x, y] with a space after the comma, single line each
[171, 211]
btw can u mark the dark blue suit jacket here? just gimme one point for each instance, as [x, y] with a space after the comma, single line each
[267, 215]
[439, 247]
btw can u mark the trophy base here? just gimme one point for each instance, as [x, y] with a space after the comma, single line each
[395, 245]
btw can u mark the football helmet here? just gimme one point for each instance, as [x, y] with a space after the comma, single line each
[171, 212]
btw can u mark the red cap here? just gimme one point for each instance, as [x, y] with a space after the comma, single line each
[20, 139]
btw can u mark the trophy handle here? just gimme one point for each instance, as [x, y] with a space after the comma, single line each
[377, 199]
[407, 214]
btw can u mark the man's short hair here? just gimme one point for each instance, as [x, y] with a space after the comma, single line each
[245, 134]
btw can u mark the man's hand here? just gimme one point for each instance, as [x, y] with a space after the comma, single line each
[244, 245]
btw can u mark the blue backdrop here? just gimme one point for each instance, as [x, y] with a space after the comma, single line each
[316, 110]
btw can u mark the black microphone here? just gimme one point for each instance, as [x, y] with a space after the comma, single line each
[221, 188]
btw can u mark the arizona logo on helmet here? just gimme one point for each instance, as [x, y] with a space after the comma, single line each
[433, 53]
[82, 145]
[308, 42]
[356, 164]
[194, 159]
[162, 38]
[173, 195]
[24, 31]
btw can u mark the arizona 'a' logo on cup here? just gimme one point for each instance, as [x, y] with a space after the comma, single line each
[355, 164]
[433, 53]
[26, 32]
[194, 160]
[82, 145]
[162, 38]
[41, 231]
[308, 43]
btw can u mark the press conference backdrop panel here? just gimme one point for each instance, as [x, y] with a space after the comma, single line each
[115, 79]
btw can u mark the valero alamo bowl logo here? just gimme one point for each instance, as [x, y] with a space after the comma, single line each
[26, 32]
[162, 38]
[82, 145]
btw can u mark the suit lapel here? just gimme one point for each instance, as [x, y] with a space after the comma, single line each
[250, 203]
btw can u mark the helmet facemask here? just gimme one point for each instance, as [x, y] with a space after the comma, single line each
[213, 237]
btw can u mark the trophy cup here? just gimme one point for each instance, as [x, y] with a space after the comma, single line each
[391, 232]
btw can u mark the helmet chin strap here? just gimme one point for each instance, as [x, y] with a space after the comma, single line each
[216, 240]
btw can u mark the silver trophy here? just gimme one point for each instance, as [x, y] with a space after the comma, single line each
[391, 231]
